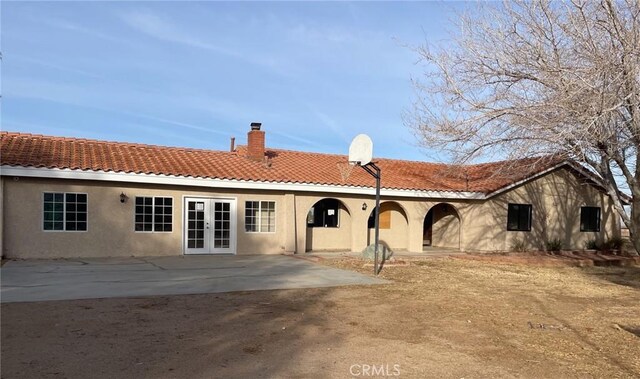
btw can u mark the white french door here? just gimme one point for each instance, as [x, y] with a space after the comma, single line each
[209, 226]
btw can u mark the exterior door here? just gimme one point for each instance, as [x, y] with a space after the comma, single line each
[209, 226]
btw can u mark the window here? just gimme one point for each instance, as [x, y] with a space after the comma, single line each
[590, 219]
[519, 217]
[154, 214]
[65, 211]
[324, 214]
[260, 216]
[384, 221]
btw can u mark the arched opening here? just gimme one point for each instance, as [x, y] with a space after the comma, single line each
[441, 228]
[394, 226]
[328, 226]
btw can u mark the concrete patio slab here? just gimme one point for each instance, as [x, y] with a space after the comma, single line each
[67, 279]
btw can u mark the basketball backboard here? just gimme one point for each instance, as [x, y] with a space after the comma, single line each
[361, 150]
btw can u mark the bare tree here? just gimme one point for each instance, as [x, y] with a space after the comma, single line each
[532, 78]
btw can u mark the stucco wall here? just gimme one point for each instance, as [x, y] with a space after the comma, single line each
[556, 199]
[397, 236]
[446, 226]
[331, 239]
[111, 223]
[2, 232]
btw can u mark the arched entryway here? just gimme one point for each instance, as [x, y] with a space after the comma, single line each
[441, 227]
[328, 226]
[394, 226]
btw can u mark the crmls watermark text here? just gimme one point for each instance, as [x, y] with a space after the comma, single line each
[374, 370]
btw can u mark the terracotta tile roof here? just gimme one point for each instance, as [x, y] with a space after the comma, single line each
[28, 150]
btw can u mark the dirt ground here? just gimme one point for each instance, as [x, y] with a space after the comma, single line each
[449, 318]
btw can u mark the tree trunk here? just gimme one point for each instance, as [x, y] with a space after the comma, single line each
[634, 225]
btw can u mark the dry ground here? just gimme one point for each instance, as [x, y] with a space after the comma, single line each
[446, 318]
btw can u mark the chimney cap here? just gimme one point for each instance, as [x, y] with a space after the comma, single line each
[256, 125]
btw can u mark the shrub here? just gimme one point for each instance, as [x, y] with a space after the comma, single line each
[613, 243]
[591, 245]
[518, 245]
[554, 245]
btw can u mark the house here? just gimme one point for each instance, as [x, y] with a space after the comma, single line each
[71, 197]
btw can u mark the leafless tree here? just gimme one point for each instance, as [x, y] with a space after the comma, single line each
[532, 78]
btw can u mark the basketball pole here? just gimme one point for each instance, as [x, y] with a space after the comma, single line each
[375, 172]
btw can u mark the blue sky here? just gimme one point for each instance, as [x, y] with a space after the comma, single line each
[196, 73]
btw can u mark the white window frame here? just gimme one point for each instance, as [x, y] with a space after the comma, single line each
[64, 213]
[153, 213]
[259, 218]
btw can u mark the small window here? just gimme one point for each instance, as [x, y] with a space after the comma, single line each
[590, 219]
[65, 211]
[154, 214]
[324, 214]
[260, 216]
[519, 217]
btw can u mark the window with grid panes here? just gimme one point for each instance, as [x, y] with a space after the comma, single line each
[260, 216]
[65, 211]
[153, 214]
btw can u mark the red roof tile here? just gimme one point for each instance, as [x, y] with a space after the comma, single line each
[27, 150]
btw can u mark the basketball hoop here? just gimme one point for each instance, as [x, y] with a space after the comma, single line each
[361, 154]
[361, 150]
[345, 168]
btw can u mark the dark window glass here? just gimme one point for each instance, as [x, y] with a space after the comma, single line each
[590, 219]
[153, 214]
[65, 211]
[519, 217]
[324, 214]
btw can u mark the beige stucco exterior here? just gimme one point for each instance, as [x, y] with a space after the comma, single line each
[397, 236]
[478, 225]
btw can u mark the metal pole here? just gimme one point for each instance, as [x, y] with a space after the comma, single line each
[377, 236]
[376, 175]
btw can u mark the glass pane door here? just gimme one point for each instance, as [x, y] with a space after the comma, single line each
[197, 226]
[222, 225]
[209, 226]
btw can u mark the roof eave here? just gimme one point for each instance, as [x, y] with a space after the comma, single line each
[111, 176]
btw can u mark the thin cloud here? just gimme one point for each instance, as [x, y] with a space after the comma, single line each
[296, 138]
[86, 98]
[77, 28]
[54, 66]
[162, 29]
[332, 125]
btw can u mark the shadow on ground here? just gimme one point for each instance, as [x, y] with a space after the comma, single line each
[215, 335]
[625, 276]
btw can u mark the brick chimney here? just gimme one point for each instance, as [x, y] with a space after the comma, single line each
[255, 142]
